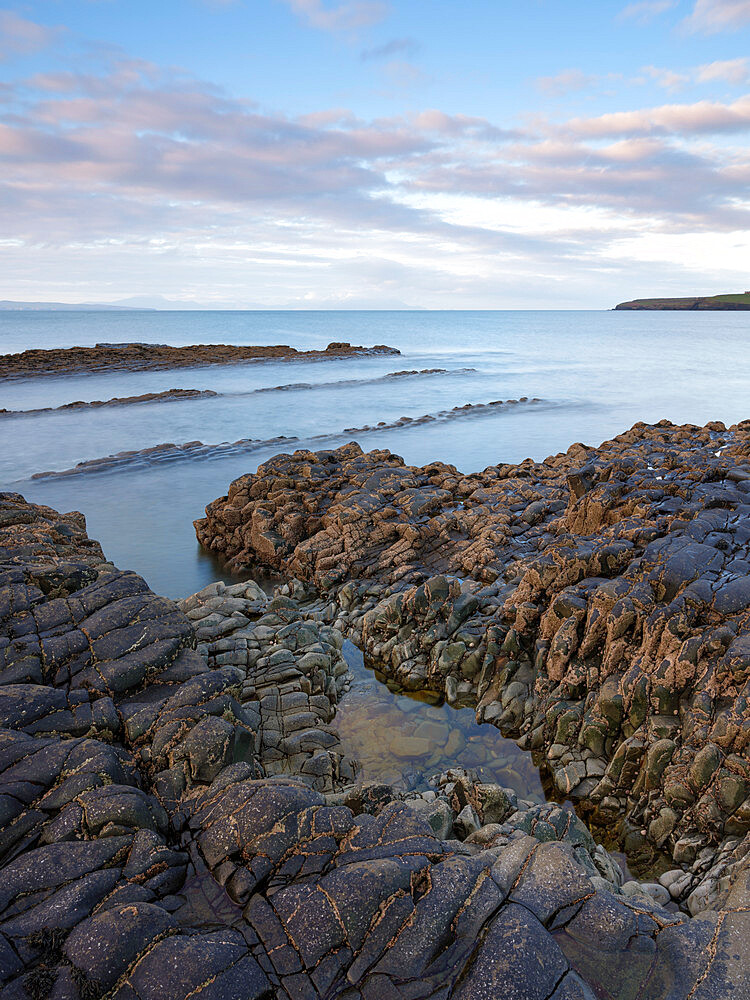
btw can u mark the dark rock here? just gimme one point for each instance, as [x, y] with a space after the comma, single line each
[176, 821]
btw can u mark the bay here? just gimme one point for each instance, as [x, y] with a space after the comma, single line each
[595, 374]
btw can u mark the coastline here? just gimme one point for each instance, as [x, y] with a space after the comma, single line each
[231, 833]
[561, 584]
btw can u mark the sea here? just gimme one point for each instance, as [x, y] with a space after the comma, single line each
[593, 374]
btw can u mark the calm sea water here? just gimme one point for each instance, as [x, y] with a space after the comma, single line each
[595, 372]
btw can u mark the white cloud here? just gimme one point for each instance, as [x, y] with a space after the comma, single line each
[735, 71]
[564, 82]
[646, 10]
[711, 16]
[20, 37]
[349, 16]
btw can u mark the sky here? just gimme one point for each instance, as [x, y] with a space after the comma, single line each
[314, 154]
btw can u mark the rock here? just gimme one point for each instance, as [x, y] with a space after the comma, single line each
[466, 822]
[601, 604]
[437, 814]
[140, 357]
[184, 822]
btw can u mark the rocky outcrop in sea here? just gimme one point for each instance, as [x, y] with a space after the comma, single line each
[160, 357]
[181, 819]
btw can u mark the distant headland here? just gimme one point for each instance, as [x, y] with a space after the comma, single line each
[732, 302]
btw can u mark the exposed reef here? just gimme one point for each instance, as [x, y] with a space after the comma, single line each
[170, 452]
[157, 357]
[169, 395]
[732, 303]
[179, 821]
[147, 397]
[162, 453]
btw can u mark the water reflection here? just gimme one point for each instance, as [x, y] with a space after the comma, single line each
[402, 740]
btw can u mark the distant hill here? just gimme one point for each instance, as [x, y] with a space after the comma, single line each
[732, 303]
[7, 305]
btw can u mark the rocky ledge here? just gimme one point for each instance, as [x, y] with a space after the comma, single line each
[158, 357]
[168, 395]
[595, 606]
[179, 819]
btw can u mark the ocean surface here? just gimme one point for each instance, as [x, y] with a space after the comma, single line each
[594, 374]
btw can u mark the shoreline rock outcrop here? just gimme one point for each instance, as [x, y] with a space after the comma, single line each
[595, 606]
[158, 357]
[179, 820]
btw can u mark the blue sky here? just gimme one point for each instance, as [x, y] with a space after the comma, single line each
[374, 153]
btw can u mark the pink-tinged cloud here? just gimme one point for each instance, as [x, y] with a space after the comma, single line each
[644, 11]
[136, 152]
[703, 117]
[669, 79]
[709, 17]
[434, 120]
[20, 37]
[564, 82]
[735, 71]
[346, 17]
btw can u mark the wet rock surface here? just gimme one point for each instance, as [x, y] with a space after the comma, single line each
[168, 395]
[179, 820]
[163, 453]
[594, 605]
[156, 357]
[197, 450]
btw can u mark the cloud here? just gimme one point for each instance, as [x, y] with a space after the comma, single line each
[20, 37]
[434, 120]
[137, 164]
[403, 74]
[712, 16]
[669, 79]
[734, 71]
[703, 117]
[564, 82]
[645, 11]
[396, 47]
[349, 16]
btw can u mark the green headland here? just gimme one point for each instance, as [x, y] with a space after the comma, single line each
[740, 300]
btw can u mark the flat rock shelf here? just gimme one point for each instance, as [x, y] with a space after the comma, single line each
[159, 357]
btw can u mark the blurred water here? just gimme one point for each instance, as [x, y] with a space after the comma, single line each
[597, 373]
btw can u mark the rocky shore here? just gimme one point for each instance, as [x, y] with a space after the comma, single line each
[179, 817]
[596, 606]
[159, 357]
